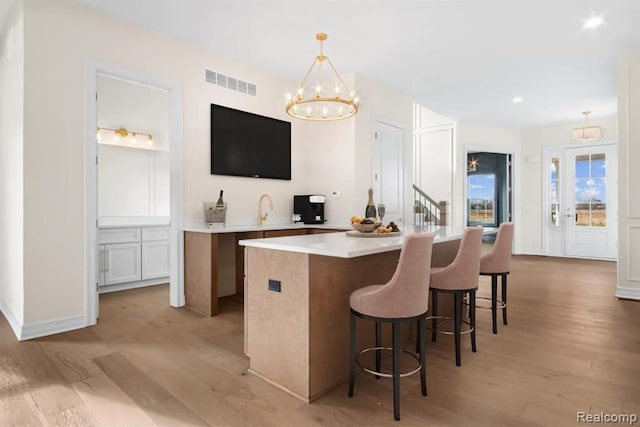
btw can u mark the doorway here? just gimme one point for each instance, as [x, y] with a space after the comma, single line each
[145, 181]
[488, 189]
[581, 201]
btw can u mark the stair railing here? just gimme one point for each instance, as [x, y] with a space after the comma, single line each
[427, 212]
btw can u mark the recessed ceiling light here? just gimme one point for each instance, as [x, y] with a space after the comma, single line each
[593, 22]
[517, 100]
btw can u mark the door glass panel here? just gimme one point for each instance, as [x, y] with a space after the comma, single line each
[555, 191]
[590, 190]
[598, 214]
[582, 166]
[481, 202]
[598, 165]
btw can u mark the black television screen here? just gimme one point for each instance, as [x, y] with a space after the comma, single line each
[246, 144]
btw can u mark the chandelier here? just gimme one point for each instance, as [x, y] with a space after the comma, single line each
[328, 98]
[586, 133]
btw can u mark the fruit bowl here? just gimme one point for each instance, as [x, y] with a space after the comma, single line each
[366, 228]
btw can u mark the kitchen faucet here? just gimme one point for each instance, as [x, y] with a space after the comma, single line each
[262, 218]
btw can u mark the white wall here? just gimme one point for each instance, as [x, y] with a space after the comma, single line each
[329, 156]
[387, 105]
[11, 166]
[133, 177]
[60, 36]
[628, 177]
[534, 139]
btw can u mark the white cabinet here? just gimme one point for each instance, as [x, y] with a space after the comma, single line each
[133, 257]
[120, 263]
[155, 252]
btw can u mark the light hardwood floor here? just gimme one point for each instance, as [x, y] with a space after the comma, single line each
[570, 346]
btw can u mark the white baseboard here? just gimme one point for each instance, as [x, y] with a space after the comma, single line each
[132, 285]
[628, 293]
[530, 252]
[41, 329]
[51, 327]
[13, 322]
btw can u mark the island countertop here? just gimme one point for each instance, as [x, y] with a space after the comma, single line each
[218, 228]
[341, 245]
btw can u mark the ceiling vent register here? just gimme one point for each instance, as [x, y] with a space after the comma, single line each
[230, 82]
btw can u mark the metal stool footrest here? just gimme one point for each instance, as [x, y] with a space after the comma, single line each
[387, 374]
[446, 319]
[499, 303]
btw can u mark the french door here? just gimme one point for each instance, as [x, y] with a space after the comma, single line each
[590, 201]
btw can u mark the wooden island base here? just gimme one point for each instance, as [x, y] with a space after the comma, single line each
[298, 338]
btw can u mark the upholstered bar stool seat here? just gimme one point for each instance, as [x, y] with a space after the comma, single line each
[404, 298]
[497, 264]
[459, 278]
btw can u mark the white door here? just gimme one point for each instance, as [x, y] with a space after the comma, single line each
[590, 201]
[387, 168]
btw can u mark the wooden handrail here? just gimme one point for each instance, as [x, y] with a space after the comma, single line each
[430, 212]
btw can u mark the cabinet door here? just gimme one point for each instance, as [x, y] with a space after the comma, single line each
[122, 263]
[155, 259]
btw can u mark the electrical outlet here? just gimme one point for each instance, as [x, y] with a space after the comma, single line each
[274, 285]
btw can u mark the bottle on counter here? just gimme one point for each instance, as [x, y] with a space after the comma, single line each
[220, 202]
[370, 211]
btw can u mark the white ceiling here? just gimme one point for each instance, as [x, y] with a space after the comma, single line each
[465, 59]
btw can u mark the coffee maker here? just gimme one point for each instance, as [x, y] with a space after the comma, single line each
[309, 208]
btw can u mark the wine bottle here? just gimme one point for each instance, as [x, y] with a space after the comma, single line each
[370, 211]
[220, 202]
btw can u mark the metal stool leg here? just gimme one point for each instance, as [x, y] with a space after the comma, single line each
[396, 370]
[457, 298]
[378, 344]
[423, 369]
[352, 355]
[494, 302]
[472, 318]
[504, 298]
[434, 321]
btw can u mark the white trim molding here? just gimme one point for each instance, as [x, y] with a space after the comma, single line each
[41, 329]
[628, 293]
[94, 67]
[50, 327]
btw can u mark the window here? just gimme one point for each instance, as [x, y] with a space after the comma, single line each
[555, 191]
[481, 199]
[590, 190]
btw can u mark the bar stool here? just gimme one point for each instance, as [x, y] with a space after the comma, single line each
[404, 298]
[497, 263]
[458, 278]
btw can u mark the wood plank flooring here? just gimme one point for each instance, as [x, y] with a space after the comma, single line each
[570, 346]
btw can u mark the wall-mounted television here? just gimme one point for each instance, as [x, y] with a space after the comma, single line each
[246, 144]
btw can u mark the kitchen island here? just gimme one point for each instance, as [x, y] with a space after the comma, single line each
[214, 263]
[296, 303]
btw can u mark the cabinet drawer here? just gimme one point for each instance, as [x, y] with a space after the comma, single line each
[284, 233]
[118, 235]
[155, 233]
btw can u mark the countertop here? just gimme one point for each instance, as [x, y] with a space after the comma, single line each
[265, 227]
[133, 221]
[343, 246]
